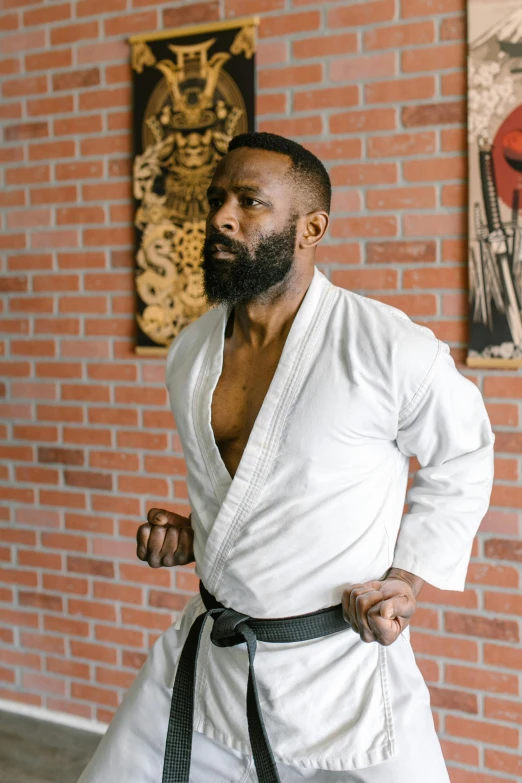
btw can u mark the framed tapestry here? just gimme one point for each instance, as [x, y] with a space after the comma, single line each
[495, 182]
[193, 91]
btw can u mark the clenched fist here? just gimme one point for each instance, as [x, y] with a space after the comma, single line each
[166, 539]
[381, 609]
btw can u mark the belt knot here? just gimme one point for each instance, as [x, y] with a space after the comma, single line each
[228, 628]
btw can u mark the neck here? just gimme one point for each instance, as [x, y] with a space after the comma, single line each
[268, 319]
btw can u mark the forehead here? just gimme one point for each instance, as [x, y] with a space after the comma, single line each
[261, 169]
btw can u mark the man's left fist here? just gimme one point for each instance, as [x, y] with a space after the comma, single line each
[381, 609]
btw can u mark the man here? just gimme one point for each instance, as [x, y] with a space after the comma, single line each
[298, 405]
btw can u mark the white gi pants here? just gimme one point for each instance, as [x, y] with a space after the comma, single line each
[132, 750]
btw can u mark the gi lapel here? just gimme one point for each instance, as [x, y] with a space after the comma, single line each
[239, 495]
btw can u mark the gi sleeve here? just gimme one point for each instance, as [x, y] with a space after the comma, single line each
[447, 428]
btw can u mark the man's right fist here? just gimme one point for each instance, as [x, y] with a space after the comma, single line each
[166, 539]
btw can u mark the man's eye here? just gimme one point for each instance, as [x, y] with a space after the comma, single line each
[251, 200]
[213, 202]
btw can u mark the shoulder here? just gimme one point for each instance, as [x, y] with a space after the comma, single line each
[389, 345]
[189, 341]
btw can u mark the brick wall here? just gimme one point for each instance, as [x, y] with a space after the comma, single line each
[376, 89]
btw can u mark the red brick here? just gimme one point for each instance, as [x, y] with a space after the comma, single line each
[364, 174]
[304, 126]
[507, 441]
[64, 499]
[18, 577]
[96, 524]
[96, 695]
[103, 51]
[9, 66]
[29, 432]
[87, 436]
[41, 682]
[135, 395]
[498, 576]
[12, 198]
[65, 584]
[430, 169]
[52, 150]
[452, 112]
[432, 58]
[130, 23]
[453, 83]
[86, 565]
[142, 574]
[37, 475]
[484, 627]
[56, 326]
[453, 29]
[480, 679]
[447, 699]
[325, 46]
[401, 198]
[371, 226]
[54, 239]
[94, 237]
[505, 495]
[398, 35]
[95, 7]
[190, 14]
[81, 170]
[38, 559]
[16, 452]
[431, 644]
[291, 76]
[81, 260]
[116, 74]
[52, 196]
[145, 618]
[244, 7]
[400, 252]
[27, 175]
[122, 679]
[434, 278]
[46, 106]
[361, 121]
[59, 413]
[401, 144]
[361, 14]
[21, 42]
[72, 80]
[115, 592]
[400, 90]
[75, 32]
[503, 762]
[120, 416]
[68, 668]
[490, 733]
[364, 67]
[93, 652]
[26, 130]
[52, 603]
[412, 8]
[326, 98]
[160, 599]
[44, 61]
[69, 126]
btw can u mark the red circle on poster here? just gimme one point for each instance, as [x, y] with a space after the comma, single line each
[507, 157]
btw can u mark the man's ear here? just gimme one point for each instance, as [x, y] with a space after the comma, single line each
[314, 229]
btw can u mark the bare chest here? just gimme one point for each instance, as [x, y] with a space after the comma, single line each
[237, 400]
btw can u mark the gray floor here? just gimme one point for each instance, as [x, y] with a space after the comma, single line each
[34, 751]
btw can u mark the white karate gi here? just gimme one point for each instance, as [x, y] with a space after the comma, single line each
[315, 505]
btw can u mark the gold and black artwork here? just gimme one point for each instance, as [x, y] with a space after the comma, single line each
[193, 91]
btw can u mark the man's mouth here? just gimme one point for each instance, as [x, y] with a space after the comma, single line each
[221, 251]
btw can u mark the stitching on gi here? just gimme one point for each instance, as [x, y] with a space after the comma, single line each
[276, 424]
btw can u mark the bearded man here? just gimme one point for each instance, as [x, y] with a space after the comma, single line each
[299, 405]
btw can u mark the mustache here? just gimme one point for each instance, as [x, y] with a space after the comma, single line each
[227, 242]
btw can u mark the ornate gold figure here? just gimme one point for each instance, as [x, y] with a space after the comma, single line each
[191, 115]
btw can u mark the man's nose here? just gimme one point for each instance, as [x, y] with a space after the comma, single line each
[225, 220]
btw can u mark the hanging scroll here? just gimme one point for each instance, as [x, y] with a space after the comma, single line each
[495, 182]
[193, 91]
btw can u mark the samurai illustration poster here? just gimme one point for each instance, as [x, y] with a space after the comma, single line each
[193, 91]
[495, 182]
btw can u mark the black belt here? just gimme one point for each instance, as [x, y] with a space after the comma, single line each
[231, 628]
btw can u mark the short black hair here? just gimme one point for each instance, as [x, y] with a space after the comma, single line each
[313, 179]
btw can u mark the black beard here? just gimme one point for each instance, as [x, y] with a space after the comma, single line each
[250, 274]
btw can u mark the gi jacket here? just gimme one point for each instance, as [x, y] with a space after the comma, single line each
[317, 504]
